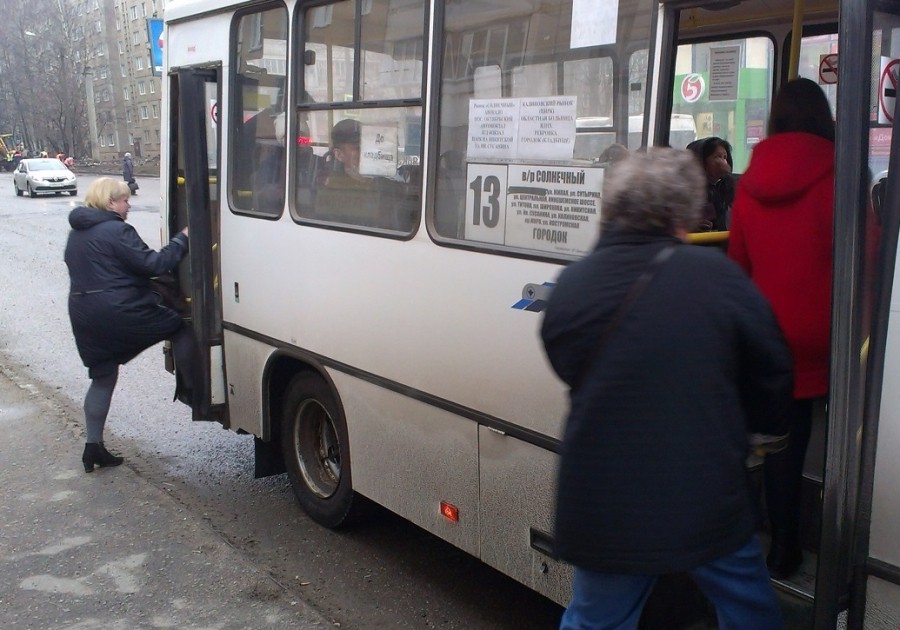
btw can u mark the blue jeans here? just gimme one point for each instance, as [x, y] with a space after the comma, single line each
[737, 585]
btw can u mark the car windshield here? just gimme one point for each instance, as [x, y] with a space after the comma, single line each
[46, 165]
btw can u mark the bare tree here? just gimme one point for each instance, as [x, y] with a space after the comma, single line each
[42, 67]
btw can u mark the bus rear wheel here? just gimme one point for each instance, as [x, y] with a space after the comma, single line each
[316, 452]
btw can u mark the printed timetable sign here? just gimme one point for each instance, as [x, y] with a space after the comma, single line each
[547, 128]
[540, 208]
[493, 129]
[522, 128]
[378, 150]
[723, 72]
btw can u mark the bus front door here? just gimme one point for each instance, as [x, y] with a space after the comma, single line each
[194, 194]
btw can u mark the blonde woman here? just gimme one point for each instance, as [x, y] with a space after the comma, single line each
[114, 313]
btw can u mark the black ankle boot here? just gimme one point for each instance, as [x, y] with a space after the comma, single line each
[96, 453]
[784, 556]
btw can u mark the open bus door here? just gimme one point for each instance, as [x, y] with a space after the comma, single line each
[875, 553]
[194, 200]
[854, 565]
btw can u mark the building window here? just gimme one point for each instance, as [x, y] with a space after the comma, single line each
[128, 115]
[138, 63]
[125, 94]
[152, 86]
[144, 114]
[142, 88]
[155, 109]
[133, 13]
[122, 68]
[110, 141]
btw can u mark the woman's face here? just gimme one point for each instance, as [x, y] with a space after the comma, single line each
[716, 164]
[120, 206]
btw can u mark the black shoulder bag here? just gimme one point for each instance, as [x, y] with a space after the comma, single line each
[636, 289]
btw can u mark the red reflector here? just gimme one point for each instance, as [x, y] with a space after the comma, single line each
[304, 140]
[450, 511]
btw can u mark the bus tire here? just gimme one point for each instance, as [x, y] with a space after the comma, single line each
[316, 450]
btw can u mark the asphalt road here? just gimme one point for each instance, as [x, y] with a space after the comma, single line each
[385, 573]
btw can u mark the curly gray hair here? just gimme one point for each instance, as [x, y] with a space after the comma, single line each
[662, 190]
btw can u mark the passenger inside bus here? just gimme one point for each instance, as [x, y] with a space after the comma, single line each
[268, 177]
[715, 156]
[612, 154]
[351, 196]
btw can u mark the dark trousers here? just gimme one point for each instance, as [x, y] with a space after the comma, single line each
[783, 472]
[737, 585]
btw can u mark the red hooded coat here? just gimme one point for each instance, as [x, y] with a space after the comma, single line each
[781, 234]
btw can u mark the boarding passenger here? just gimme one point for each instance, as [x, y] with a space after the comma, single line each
[714, 155]
[652, 478]
[781, 234]
[115, 314]
[349, 196]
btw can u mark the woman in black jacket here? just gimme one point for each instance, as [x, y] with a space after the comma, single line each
[115, 314]
[714, 155]
[651, 478]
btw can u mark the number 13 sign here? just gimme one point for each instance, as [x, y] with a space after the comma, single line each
[486, 203]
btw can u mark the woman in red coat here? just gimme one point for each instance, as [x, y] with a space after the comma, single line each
[781, 234]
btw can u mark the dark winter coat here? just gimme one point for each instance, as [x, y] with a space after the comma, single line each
[114, 313]
[781, 234]
[127, 170]
[652, 476]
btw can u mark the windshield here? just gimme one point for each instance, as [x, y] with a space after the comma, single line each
[46, 165]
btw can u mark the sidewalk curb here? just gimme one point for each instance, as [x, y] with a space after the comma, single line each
[111, 549]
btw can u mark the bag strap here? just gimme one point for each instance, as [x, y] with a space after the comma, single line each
[636, 289]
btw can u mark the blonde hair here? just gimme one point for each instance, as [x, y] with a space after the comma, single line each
[105, 189]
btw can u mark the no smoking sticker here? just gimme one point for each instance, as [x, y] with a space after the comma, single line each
[887, 89]
[828, 69]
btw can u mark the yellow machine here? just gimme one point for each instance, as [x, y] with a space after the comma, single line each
[6, 153]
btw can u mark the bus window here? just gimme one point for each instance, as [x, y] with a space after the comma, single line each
[257, 120]
[576, 71]
[359, 167]
[739, 118]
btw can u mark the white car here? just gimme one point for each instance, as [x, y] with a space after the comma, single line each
[44, 175]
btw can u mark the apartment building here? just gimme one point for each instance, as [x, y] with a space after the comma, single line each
[122, 84]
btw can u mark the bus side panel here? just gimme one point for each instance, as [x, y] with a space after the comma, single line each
[246, 360]
[409, 456]
[518, 482]
[882, 605]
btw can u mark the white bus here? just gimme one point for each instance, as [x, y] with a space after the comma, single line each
[380, 194]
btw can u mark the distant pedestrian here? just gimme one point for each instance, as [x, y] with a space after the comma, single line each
[115, 314]
[128, 173]
[652, 478]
